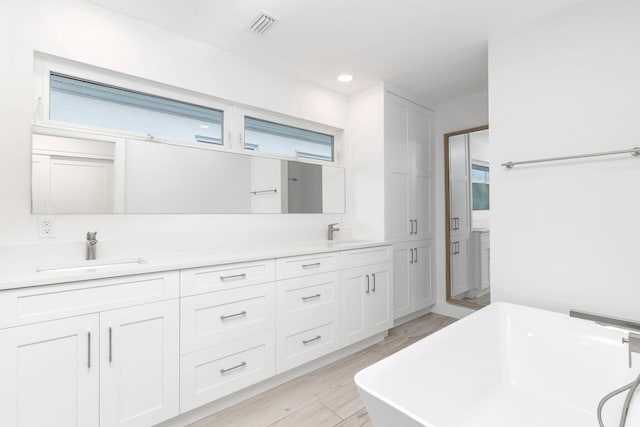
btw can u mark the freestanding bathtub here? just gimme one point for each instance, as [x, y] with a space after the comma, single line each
[504, 366]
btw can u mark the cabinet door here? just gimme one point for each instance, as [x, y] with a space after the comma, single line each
[460, 277]
[354, 293]
[139, 364]
[396, 134]
[423, 211]
[399, 188]
[402, 279]
[424, 285]
[50, 374]
[459, 185]
[420, 136]
[380, 305]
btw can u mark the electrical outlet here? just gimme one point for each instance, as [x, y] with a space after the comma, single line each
[45, 227]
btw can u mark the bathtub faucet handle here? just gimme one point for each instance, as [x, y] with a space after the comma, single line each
[634, 344]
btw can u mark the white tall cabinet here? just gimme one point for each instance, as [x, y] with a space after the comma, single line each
[409, 148]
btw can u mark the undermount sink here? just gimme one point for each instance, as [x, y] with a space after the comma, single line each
[88, 266]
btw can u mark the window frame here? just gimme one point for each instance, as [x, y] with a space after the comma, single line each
[44, 67]
[282, 119]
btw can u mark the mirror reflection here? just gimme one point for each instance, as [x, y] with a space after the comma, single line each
[468, 211]
[80, 176]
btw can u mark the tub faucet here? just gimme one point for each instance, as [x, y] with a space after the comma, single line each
[92, 242]
[332, 229]
[634, 344]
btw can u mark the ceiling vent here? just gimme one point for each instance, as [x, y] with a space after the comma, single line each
[263, 22]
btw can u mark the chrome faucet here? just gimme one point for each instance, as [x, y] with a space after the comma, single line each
[92, 242]
[332, 229]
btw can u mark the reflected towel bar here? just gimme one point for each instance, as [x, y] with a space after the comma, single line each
[264, 191]
[635, 151]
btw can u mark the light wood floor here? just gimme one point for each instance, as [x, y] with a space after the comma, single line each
[327, 396]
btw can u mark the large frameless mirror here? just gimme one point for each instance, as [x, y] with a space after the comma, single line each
[81, 176]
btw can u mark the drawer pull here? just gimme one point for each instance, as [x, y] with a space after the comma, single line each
[229, 316]
[315, 264]
[305, 342]
[311, 297]
[89, 349]
[241, 365]
[374, 281]
[235, 276]
[110, 345]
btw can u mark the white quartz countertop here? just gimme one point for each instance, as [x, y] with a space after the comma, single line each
[25, 275]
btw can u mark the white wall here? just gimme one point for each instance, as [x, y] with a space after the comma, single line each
[87, 33]
[457, 114]
[564, 235]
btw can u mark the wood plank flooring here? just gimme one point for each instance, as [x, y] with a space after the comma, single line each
[326, 397]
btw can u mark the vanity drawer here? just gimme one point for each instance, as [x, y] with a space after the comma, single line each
[305, 265]
[366, 256]
[201, 280]
[218, 317]
[210, 374]
[48, 302]
[295, 349]
[304, 301]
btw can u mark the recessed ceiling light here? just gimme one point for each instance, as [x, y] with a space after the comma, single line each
[204, 126]
[344, 78]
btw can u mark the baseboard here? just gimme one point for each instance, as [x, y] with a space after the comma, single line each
[409, 317]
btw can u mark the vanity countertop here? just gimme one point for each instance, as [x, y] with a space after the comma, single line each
[12, 277]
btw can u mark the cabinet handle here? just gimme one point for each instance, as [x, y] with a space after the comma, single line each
[374, 281]
[315, 264]
[416, 226]
[229, 316]
[411, 262]
[305, 342]
[311, 297]
[235, 276]
[411, 226]
[241, 365]
[89, 349]
[110, 345]
[416, 249]
[367, 283]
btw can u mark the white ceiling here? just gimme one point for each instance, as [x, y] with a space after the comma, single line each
[436, 49]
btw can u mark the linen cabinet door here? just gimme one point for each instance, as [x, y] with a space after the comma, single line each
[400, 225]
[49, 374]
[139, 365]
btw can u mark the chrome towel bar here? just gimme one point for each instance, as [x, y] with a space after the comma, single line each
[635, 151]
[606, 320]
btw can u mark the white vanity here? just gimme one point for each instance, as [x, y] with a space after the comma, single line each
[142, 343]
